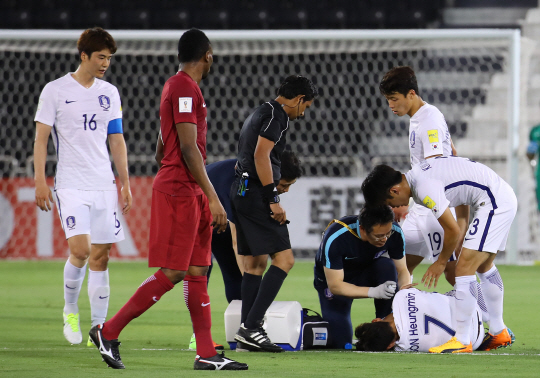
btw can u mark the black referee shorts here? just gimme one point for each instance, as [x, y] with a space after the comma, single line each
[256, 232]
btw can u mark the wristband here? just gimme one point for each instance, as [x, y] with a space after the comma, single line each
[270, 193]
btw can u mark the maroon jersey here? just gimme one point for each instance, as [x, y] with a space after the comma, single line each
[181, 101]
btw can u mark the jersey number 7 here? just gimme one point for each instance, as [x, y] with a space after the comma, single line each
[428, 319]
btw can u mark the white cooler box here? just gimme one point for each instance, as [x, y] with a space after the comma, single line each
[283, 323]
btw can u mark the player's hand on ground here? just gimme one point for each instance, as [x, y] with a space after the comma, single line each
[278, 213]
[383, 291]
[219, 216]
[44, 198]
[126, 198]
[431, 277]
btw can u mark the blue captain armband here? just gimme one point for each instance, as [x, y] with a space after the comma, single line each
[115, 126]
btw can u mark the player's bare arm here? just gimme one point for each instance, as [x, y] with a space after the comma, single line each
[454, 151]
[264, 171]
[451, 236]
[334, 279]
[187, 135]
[159, 150]
[119, 154]
[404, 277]
[44, 198]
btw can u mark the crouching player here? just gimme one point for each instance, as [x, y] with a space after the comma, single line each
[420, 321]
[350, 265]
[445, 182]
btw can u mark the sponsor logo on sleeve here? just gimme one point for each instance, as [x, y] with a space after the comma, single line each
[104, 102]
[185, 104]
[433, 136]
[40, 105]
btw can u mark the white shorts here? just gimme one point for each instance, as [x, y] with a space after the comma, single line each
[424, 235]
[90, 212]
[490, 226]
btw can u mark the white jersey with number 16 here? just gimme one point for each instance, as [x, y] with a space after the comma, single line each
[81, 119]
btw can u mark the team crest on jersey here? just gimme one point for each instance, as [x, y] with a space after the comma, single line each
[70, 222]
[425, 166]
[412, 139]
[104, 102]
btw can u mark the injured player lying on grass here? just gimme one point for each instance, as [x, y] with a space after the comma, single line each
[421, 320]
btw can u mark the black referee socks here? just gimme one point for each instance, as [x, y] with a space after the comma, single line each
[269, 288]
[250, 288]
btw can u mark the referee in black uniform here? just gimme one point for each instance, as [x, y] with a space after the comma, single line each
[261, 222]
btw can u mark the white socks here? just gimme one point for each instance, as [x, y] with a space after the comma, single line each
[466, 294]
[73, 279]
[98, 293]
[493, 291]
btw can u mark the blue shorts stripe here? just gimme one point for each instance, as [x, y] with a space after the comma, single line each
[484, 235]
[59, 210]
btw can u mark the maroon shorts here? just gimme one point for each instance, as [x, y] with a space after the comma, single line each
[180, 232]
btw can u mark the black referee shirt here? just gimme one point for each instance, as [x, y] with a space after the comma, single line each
[271, 122]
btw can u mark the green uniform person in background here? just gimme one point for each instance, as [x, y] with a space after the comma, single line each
[533, 150]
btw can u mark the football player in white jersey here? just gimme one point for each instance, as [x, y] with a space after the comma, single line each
[82, 112]
[428, 137]
[420, 320]
[439, 184]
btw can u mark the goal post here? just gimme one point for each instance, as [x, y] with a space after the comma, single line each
[476, 77]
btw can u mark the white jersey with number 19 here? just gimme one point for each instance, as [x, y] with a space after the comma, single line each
[81, 119]
[425, 320]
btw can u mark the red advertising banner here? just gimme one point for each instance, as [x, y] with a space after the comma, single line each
[26, 232]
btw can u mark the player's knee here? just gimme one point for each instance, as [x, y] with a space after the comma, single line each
[99, 262]
[284, 261]
[175, 276]
[79, 252]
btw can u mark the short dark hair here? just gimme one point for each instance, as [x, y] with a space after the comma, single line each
[95, 39]
[376, 187]
[398, 80]
[373, 215]
[291, 167]
[192, 46]
[374, 337]
[296, 85]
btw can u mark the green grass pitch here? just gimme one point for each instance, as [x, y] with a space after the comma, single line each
[155, 345]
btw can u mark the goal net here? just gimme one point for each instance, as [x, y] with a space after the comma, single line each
[472, 76]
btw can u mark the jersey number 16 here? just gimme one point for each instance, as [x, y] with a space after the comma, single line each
[91, 124]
